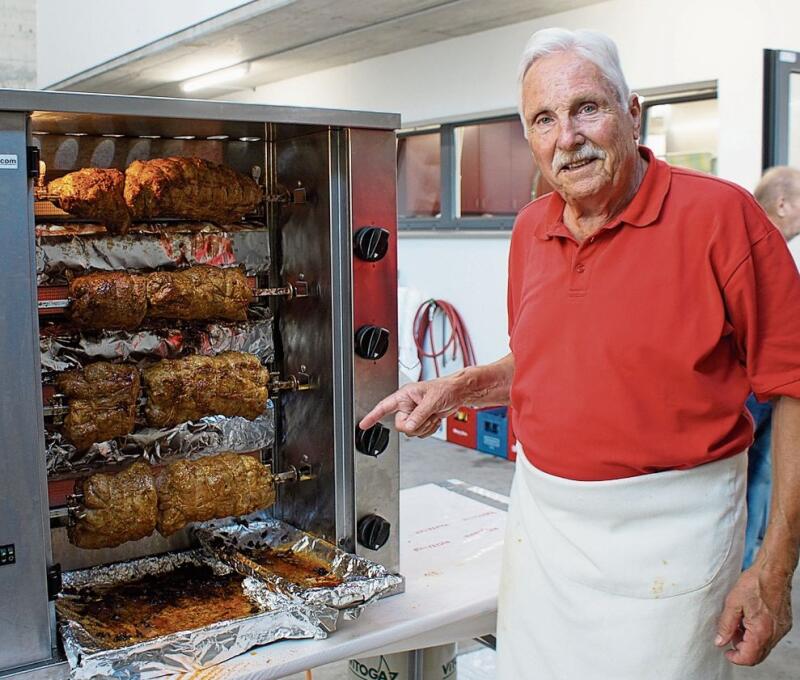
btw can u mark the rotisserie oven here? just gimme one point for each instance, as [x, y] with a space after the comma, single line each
[188, 337]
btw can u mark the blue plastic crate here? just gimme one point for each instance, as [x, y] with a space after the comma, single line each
[493, 431]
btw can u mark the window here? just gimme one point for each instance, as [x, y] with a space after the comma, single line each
[794, 119]
[496, 169]
[781, 108]
[681, 126]
[466, 175]
[419, 175]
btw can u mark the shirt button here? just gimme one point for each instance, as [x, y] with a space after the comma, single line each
[580, 268]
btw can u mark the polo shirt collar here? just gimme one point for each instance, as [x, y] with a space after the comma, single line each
[642, 211]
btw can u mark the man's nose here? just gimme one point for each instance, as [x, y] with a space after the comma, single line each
[569, 136]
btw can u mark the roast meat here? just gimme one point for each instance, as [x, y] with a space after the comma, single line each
[190, 388]
[189, 188]
[102, 402]
[118, 508]
[211, 487]
[96, 194]
[121, 300]
[108, 300]
[199, 293]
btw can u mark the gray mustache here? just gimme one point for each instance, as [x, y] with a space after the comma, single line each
[586, 152]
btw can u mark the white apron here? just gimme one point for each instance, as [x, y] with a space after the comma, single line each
[622, 579]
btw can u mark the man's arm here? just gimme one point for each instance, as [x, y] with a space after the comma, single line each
[758, 611]
[421, 406]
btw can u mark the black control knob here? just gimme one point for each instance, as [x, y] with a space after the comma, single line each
[373, 531]
[372, 342]
[371, 243]
[372, 441]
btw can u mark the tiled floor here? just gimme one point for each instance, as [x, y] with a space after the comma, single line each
[431, 460]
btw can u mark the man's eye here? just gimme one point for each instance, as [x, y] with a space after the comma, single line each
[588, 108]
[542, 120]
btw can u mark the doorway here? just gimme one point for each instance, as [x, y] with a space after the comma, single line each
[781, 108]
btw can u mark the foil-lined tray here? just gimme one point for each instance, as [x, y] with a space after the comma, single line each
[63, 248]
[207, 436]
[278, 618]
[234, 541]
[64, 348]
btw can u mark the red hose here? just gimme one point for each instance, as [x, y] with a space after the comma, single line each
[459, 339]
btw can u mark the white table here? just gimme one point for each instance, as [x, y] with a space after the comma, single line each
[451, 540]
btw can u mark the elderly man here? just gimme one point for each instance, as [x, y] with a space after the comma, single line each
[778, 192]
[645, 302]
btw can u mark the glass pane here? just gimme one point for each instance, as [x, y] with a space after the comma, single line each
[794, 120]
[418, 175]
[685, 133]
[496, 169]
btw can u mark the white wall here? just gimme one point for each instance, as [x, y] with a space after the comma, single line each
[661, 43]
[17, 43]
[73, 39]
[471, 274]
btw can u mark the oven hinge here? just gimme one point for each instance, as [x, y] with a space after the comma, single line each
[34, 156]
[54, 583]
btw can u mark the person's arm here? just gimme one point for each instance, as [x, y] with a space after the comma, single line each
[421, 406]
[758, 611]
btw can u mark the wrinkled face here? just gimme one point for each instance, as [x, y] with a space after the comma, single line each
[583, 140]
[791, 215]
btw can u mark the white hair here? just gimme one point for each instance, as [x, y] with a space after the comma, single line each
[592, 45]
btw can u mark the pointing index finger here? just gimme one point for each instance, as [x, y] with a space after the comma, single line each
[383, 408]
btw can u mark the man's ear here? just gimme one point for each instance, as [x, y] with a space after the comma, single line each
[780, 207]
[635, 110]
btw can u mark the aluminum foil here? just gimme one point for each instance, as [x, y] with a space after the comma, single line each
[279, 618]
[61, 248]
[207, 436]
[63, 348]
[363, 581]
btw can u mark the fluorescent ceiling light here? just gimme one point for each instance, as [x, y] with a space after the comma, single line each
[224, 75]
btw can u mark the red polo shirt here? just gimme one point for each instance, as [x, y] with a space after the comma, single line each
[636, 349]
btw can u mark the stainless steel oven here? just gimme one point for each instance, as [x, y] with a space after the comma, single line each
[320, 251]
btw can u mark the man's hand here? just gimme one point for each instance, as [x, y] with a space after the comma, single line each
[757, 614]
[420, 406]
[758, 611]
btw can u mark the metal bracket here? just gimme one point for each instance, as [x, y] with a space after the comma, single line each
[294, 474]
[75, 508]
[298, 289]
[293, 383]
[34, 156]
[297, 196]
[54, 582]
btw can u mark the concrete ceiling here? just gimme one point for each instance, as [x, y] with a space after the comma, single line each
[285, 38]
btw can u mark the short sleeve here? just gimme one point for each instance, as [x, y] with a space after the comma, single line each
[512, 310]
[762, 298]
[516, 262]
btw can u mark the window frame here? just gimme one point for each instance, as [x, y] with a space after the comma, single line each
[674, 94]
[449, 220]
[779, 65]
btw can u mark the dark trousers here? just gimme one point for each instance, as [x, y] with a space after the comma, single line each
[759, 478]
